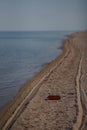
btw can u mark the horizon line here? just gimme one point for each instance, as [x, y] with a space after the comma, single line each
[38, 30]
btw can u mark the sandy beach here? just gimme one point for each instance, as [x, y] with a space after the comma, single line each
[65, 77]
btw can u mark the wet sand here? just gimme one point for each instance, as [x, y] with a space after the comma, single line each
[64, 78]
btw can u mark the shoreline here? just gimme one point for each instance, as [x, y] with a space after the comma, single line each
[60, 72]
[29, 67]
[6, 107]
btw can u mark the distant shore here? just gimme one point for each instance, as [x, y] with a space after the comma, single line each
[62, 77]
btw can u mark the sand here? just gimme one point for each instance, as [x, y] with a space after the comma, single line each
[64, 77]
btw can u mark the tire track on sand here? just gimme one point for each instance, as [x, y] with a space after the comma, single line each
[80, 109]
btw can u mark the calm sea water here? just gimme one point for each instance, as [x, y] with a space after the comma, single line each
[24, 54]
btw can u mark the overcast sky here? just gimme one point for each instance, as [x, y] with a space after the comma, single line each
[43, 15]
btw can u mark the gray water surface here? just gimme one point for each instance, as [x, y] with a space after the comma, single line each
[23, 55]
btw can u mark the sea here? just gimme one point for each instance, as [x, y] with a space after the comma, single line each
[23, 55]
